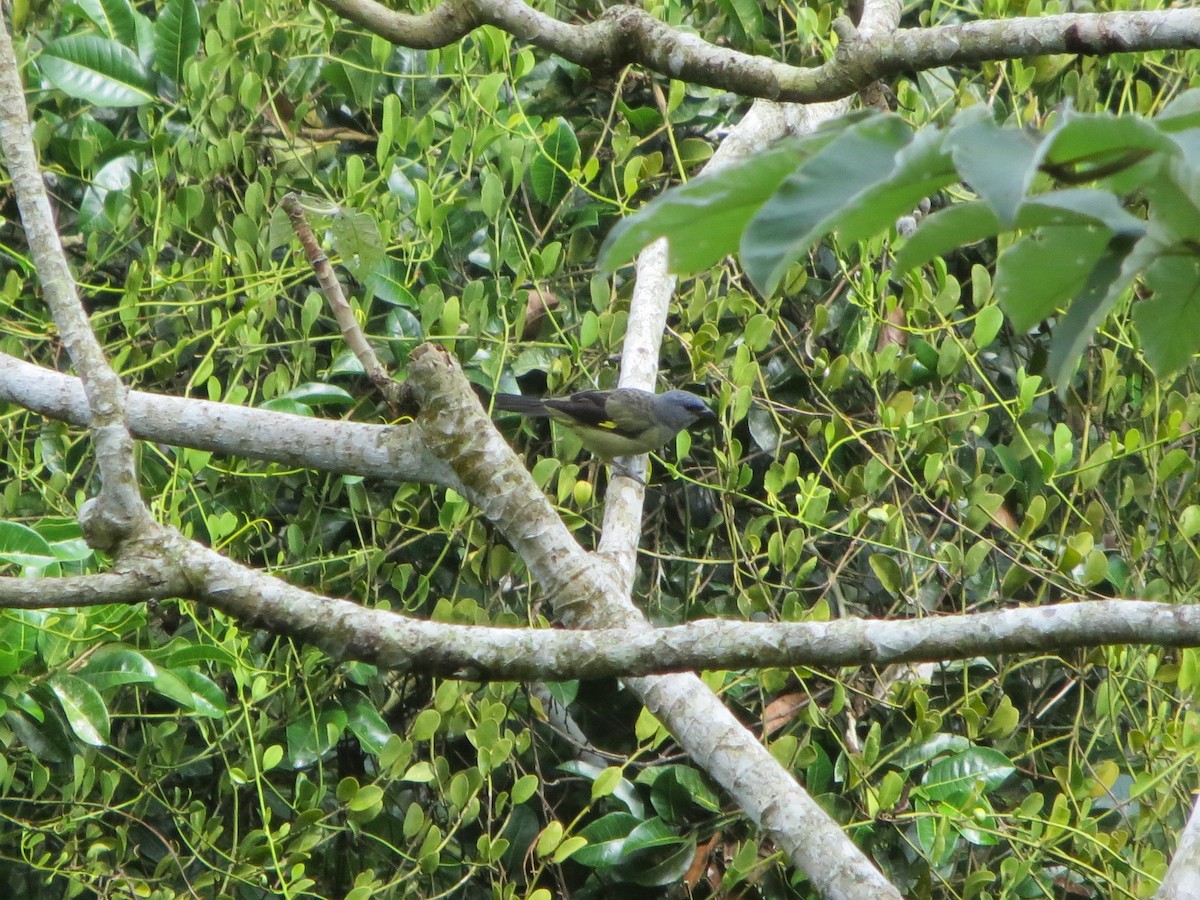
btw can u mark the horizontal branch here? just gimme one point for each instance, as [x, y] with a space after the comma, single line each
[482, 653]
[346, 630]
[625, 35]
[392, 452]
[85, 590]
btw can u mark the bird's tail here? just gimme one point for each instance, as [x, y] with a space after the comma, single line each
[518, 403]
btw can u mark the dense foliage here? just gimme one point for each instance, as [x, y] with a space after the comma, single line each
[889, 448]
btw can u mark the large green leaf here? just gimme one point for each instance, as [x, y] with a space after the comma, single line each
[1175, 201]
[365, 723]
[549, 172]
[83, 707]
[176, 37]
[606, 840]
[807, 203]
[96, 69]
[702, 221]
[966, 223]
[955, 778]
[1168, 323]
[116, 18]
[207, 699]
[998, 163]
[358, 242]
[115, 665]
[748, 15]
[922, 168]
[314, 394]
[945, 230]
[25, 548]
[1088, 147]
[1114, 271]
[1042, 270]
[1183, 112]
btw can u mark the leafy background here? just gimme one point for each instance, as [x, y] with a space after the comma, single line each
[889, 447]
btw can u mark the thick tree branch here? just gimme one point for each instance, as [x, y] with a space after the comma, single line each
[395, 453]
[592, 591]
[627, 35]
[346, 630]
[119, 507]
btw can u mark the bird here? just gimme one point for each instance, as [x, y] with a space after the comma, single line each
[620, 422]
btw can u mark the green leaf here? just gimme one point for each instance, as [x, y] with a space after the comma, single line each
[1174, 204]
[83, 707]
[888, 573]
[388, 282]
[678, 790]
[116, 18]
[704, 219]
[356, 239]
[987, 326]
[176, 37]
[943, 231]
[955, 778]
[1078, 206]
[365, 723]
[207, 699]
[25, 548]
[287, 405]
[998, 163]
[169, 685]
[623, 790]
[808, 203]
[922, 168]
[654, 834]
[308, 741]
[606, 840]
[96, 69]
[114, 665]
[649, 834]
[314, 394]
[966, 223]
[1086, 147]
[549, 172]
[1181, 113]
[1168, 322]
[747, 14]
[1042, 270]
[1113, 273]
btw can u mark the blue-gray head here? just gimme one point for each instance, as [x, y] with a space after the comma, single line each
[679, 409]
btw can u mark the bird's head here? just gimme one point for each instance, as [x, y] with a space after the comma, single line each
[681, 409]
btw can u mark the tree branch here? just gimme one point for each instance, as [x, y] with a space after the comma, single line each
[393, 452]
[626, 35]
[118, 509]
[86, 590]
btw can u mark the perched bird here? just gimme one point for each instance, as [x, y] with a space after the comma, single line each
[622, 422]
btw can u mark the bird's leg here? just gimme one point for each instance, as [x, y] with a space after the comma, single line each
[619, 468]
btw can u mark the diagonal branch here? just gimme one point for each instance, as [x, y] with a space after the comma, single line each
[119, 508]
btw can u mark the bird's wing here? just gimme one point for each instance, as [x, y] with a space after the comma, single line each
[586, 407]
[629, 417]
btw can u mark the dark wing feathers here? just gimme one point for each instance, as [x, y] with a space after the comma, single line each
[588, 407]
